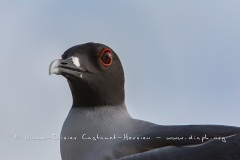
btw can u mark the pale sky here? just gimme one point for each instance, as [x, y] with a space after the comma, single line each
[181, 62]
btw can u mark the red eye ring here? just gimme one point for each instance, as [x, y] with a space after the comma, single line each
[106, 64]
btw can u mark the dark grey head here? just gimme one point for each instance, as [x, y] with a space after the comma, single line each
[94, 73]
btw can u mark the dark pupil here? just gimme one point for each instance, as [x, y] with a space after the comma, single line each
[106, 58]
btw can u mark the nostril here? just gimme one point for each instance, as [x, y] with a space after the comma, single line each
[64, 63]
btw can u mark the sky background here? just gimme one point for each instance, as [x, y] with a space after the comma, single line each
[181, 62]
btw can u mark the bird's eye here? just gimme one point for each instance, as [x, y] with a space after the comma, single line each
[106, 57]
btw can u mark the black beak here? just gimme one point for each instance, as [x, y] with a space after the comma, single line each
[67, 67]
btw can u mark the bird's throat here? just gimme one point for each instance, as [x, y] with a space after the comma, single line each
[86, 96]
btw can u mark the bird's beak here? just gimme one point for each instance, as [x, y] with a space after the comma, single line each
[66, 67]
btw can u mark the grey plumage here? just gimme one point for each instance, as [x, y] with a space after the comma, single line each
[212, 150]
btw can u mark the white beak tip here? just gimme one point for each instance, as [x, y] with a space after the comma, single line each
[53, 68]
